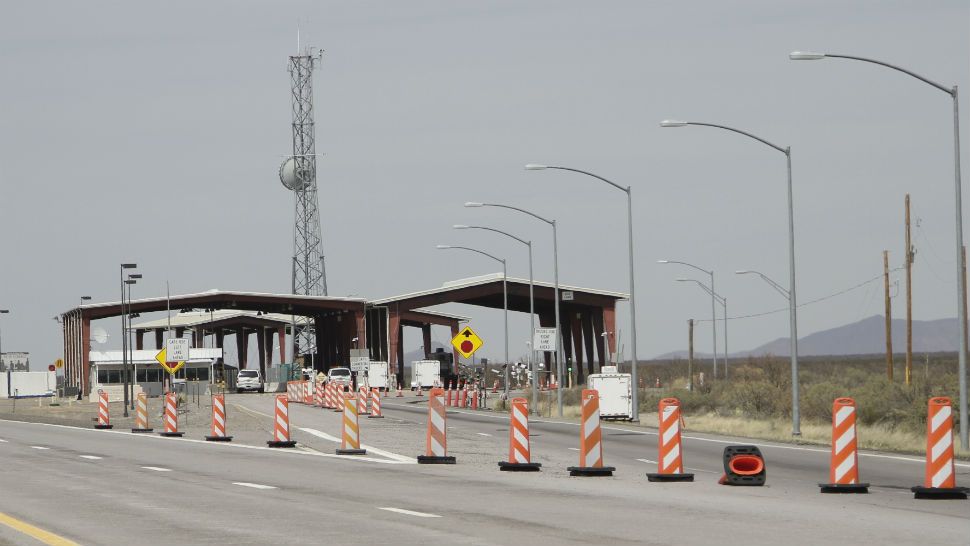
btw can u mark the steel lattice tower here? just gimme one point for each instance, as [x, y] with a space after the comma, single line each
[309, 271]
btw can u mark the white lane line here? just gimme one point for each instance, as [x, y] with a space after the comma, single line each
[482, 434]
[573, 448]
[157, 468]
[648, 461]
[216, 445]
[91, 457]
[2, 441]
[753, 441]
[39, 447]
[254, 485]
[369, 448]
[408, 512]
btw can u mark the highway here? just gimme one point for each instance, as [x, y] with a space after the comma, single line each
[108, 487]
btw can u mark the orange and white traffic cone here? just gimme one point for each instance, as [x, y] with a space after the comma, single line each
[519, 456]
[464, 398]
[375, 411]
[421, 391]
[104, 418]
[141, 414]
[590, 439]
[448, 397]
[281, 425]
[218, 420]
[670, 461]
[318, 396]
[350, 438]
[844, 465]
[171, 416]
[495, 387]
[436, 450]
[400, 393]
[940, 481]
[475, 399]
[363, 401]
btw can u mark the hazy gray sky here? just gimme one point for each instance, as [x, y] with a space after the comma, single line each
[149, 132]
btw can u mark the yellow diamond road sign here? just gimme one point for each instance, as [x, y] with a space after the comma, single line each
[467, 342]
[170, 367]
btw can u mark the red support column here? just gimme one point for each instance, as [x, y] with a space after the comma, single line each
[242, 348]
[86, 353]
[609, 324]
[394, 352]
[360, 321]
[576, 327]
[426, 338]
[455, 327]
[597, 318]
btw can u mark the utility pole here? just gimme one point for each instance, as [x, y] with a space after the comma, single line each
[889, 317]
[690, 354]
[909, 300]
[964, 302]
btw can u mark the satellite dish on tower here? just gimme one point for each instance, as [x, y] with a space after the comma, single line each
[99, 335]
[292, 177]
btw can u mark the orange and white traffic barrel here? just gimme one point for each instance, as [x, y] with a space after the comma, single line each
[141, 414]
[670, 460]
[171, 416]
[363, 400]
[590, 439]
[338, 398]
[104, 417]
[318, 397]
[281, 424]
[375, 412]
[519, 455]
[294, 392]
[307, 393]
[328, 396]
[350, 437]
[844, 464]
[218, 420]
[436, 447]
[940, 481]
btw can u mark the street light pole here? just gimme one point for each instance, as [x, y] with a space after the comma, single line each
[560, 361]
[4, 312]
[961, 295]
[532, 312]
[124, 334]
[723, 301]
[713, 310]
[633, 305]
[505, 302]
[792, 304]
[131, 358]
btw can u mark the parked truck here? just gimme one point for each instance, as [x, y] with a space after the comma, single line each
[616, 395]
[425, 374]
[377, 375]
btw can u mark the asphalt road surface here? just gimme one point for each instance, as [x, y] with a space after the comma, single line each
[111, 487]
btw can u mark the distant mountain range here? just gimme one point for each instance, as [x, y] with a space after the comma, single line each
[866, 336]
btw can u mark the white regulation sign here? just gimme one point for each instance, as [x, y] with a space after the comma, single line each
[544, 339]
[176, 349]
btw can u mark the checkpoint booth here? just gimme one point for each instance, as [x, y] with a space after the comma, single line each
[107, 367]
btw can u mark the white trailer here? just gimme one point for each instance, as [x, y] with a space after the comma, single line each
[425, 374]
[377, 375]
[615, 393]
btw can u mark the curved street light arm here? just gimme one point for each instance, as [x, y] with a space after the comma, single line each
[502, 232]
[701, 269]
[719, 299]
[943, 88]
[500, 260]
[532, 214]
[614, 184]
[785, 151]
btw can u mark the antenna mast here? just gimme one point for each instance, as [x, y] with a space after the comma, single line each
[299, 173]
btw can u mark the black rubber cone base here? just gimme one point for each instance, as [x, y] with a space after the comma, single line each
[103, 427]
[281, 443]
[172, 434]
[520, 467]
[670, 477]
[375, 416]
[591, 470]
[351, 452]
[218, 438]
[142, 430]
[959, 493]
[843, 487]
[431, 459]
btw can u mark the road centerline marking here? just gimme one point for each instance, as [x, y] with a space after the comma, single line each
[91, 457]
[648, 461]
[255, 485]
[39, 447]
[483, 434]
[157, 468]
[408, 512]
[573, 448]
[46, 537]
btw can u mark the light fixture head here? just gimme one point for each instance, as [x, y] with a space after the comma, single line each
[535, 167]
[805, 56]
[673, 123]
[472, 204]
[134, 275]
[682, 279]
[128, 266]
[443, 247]
[85, 298]
[742, 272]
[663, 261]
[459, 226]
